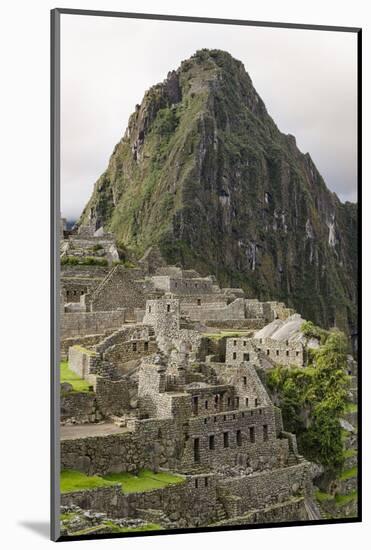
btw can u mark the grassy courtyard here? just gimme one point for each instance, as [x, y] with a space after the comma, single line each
[146, 480]
[72, 480]
[67, 375]
[226, 334]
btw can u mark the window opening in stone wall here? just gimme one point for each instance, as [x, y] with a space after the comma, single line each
[198, 302]
[245, 380]
[268, 352]
[234, 355]
[247, 401]
[265, 432]
[256, 401]
[252, 434]
[149, 309]
[244, 342]
[237, 402]
[196, 449]
[229, 401]
[235, 342]
[195, 405]
[246, 357]
[226, 439]
[239, 438]
[145, 346]
[211, 442]
[287, 352]
[206, 481]
[206, 404]
[168, 307]
[196, 483]
[277, 351]
[134, 346]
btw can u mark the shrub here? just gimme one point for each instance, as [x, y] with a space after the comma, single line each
[310, 330]
[314, 399]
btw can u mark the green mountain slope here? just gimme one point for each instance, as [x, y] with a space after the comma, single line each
[204, 172]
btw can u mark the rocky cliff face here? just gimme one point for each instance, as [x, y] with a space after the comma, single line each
[204, 172]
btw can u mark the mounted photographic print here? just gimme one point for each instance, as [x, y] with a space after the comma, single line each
[206, 253]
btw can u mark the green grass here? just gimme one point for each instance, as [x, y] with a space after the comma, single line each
[351, 408]
[84, 350]
[67, 375]
[144, 481]
[348, 474]
[72, 480]
[345, 499]
[147, 527]
[323, 497]
[349, 453]
[67, 516]
[345, 434]
[225, 334]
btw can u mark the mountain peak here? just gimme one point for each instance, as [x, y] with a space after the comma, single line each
[204, 173]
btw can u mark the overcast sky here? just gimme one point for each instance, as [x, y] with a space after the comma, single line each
[307, 80]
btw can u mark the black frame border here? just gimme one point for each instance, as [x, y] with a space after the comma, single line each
[55, 268]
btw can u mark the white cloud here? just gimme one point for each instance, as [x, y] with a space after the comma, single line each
[307, 80]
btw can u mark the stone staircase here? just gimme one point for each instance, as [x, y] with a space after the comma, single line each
[220, 513]
[313, 510]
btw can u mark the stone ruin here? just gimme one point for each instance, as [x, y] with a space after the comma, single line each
[171, 390]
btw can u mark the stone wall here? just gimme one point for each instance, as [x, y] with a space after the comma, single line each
[240, 350]
[128, 351]
[113, 396]
[88, 364]
[280, 311]
[201, 499]
[78, 406]
[291, 510]
[189, 504]
[83, 341]
[122, 288]
[128, 343]
[263, 489]
[73, 289]
[215, 311]
[149, 444]
[243, 324]
[246, 438]
[258, 310]
[183, 286]
[102, 499]
[88, 323]
[283, 353]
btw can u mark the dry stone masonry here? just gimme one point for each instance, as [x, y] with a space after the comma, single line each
[172, 390]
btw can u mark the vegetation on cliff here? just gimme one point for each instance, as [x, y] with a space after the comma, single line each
[314, 399]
